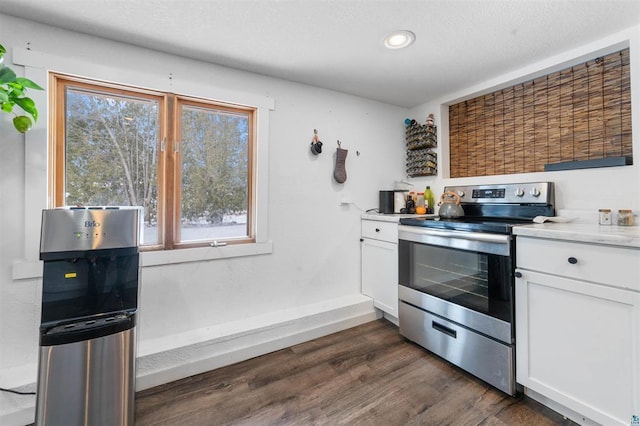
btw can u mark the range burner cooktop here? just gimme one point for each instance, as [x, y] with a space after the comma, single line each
[467, 224]
[495, 208]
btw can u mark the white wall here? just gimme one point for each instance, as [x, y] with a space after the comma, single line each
[314, 264]
[313, 270]
[587, 189]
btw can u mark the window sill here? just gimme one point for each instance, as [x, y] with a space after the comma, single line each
[24, 270]
[168, 257]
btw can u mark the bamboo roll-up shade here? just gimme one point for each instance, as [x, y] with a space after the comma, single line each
[579, 113]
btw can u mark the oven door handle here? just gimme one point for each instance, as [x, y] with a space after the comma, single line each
[405, 232]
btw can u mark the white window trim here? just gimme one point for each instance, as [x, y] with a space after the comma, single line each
[37, 66]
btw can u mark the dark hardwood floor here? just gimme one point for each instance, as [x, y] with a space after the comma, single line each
[367, 375]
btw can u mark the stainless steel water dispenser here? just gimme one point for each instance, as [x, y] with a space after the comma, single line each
[86, 373]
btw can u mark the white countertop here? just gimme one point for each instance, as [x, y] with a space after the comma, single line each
[627, 236]
[394, 217]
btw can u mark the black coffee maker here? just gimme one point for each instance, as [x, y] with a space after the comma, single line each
[386, 205]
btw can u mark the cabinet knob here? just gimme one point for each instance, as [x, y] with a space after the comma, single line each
[377, 229]
[361, 239]
[518, 274]
[572, 260]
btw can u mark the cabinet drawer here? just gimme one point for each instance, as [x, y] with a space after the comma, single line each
[384, 231]
[460, 346]
[614, 266]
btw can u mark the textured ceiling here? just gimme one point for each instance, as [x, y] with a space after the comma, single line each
[338, 44]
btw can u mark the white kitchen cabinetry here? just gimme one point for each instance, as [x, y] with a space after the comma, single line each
[379, 264]
[578, 327]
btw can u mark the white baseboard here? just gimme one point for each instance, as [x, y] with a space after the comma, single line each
[560, 409]
[214, 348]
[172, 358]
[391, 319]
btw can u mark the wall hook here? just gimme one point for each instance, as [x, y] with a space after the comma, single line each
[339, 144]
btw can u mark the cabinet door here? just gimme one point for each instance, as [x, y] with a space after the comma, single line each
[577, 343]
[380, 274]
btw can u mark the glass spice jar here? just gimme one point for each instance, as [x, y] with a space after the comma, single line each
[604, 217]
[625, 217]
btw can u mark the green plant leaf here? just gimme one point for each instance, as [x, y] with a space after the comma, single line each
[6, 75]
[25, 82]
[12, 90]
[29, 106]
[22, 123]
[17, 91]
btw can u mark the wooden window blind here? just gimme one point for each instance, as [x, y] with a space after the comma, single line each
[579, 113]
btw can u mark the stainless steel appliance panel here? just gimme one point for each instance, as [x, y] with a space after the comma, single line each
[456, 277]
[470, 241]
[485, 358]
[515, 193]
[485, 324]
[94, 382]
[69, 230]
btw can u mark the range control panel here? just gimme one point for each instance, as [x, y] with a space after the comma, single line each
[510, 193]
[488, 193]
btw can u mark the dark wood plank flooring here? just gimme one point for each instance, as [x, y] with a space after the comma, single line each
[367, 375]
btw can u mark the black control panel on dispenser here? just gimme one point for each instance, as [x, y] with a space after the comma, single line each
[91, 264]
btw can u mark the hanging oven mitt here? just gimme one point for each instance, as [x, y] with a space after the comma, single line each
[340, 173]
[316, 145]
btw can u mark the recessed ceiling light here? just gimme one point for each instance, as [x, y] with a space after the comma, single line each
[399, 39]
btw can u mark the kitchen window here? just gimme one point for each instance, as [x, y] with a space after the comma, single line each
[188, 162]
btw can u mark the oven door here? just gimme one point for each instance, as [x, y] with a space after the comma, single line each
[465, 277]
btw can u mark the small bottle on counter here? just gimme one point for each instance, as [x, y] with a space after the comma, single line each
[411, 203]
[420, 209]
[429, 200]
[604, 217]
[625, 217]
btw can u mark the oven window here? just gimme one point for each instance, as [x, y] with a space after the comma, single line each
[478, 281]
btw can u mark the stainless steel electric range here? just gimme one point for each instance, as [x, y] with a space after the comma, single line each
[456, 278]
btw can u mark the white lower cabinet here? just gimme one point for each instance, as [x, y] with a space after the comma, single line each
[578, 341]
[379, 251]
